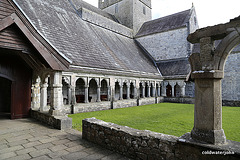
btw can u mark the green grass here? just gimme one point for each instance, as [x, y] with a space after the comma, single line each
[168, 118]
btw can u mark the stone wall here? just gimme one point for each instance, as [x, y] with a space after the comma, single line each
[90, 107]
[59, 122]
[231, 80]
[186, 100]
[145, 145]
[166, 45]
[124, 103]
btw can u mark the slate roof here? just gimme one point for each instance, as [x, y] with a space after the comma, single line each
[85, 44]
[174, 67]
[159, 25]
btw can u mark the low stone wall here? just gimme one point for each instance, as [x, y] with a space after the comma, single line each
[231, 103]
[124, 103]
[90, 107]
[186, 100]
[145, 145]
[58, 122]
[146, 101]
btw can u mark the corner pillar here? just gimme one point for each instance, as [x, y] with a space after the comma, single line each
[43, 98]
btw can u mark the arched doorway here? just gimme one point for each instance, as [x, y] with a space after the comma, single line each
[5, 97]
[177, 91]
[117, 91]
[131, 90]
[79, 91]
[104, 90]
[92, 91]
[169, 90]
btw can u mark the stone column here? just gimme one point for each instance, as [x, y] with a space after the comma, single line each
[36, 95]
[109, 93]
[148, 91]
[143, 91]
[128, 91]
[86, 94]
[73, 102]
[153, 91]
[182, 86]
[56, 98]
[164, 89]
[158, 91]
[135, 92]
[121, 92]
[208, 108]
[98, 93]
[69, 94]
[43, 98]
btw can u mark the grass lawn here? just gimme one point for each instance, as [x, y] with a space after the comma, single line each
[168, 118]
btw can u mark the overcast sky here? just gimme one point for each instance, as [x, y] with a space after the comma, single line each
[209, 12]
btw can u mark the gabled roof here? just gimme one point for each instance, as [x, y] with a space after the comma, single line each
[170, 22]
[85, 44]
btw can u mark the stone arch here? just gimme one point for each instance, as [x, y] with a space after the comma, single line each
[132, 92]
[92, 90]
[65, 90]
[117, 90]
[141, 95]
[169, 90]
[80, 90]
[104, 90]
[125, 89]
[177, 90]
[225, 47]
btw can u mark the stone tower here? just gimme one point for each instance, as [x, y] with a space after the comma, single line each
[131, 13]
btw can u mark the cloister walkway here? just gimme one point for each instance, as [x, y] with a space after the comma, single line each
[28, 139]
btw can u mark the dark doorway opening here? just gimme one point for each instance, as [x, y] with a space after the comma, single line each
[5, 98]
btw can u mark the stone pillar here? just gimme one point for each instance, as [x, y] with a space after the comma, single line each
[86, 94]
[56, 98]
[148, 91]
[153, 91]
[173, 91]
[143, 91]
[73, 102]
[182, 86]
[128, 91]
[109, 93]
[158, 91]
[135, 95]
[98, 93]
[121, 92]
[69, 94]
[43, 98]
[36, 95]
[208, 108]
[164, 89]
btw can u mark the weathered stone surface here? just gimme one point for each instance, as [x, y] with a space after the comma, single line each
[138, 144]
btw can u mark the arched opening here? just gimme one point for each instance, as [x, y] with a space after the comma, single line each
[80, 91]
[131, 90]
[146, 90]
[65, 92]
[92, 91]
[169, 90]
[104, 90]
[141, 90]
[158, 90]
[151, 90]
[177, 91]
[124, 90]
[5, 97]
[117, 91]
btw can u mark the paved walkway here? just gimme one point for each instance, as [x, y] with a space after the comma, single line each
[28, 139]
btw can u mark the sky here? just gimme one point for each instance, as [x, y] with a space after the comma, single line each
[209, 12]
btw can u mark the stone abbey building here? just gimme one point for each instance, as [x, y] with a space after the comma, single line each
[69, 57]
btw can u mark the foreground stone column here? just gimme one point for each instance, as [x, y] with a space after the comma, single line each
[158, 91]
[182, 93]
[135, 94]
[36, 95]
[56, 94]
[153, 91]
[148, 91]
[73, 102]
[43, 98]
[208, 108]
[69, 94]
[109, 93]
